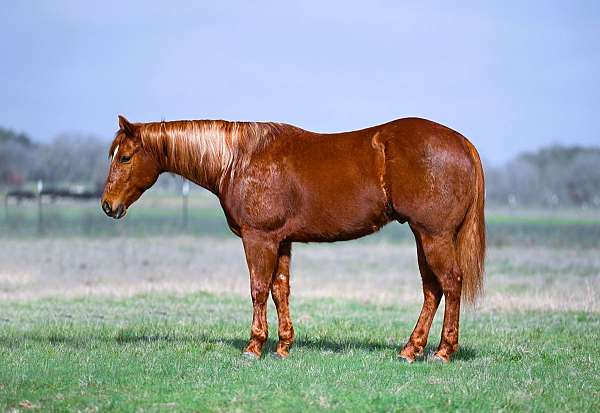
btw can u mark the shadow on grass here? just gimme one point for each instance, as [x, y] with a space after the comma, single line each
[464, 352]
[128, 337]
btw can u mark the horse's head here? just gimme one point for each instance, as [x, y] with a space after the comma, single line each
[133, 169]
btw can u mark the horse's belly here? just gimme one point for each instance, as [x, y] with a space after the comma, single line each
[336, 218]
[332, 234]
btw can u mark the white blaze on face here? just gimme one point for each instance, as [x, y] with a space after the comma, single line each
[115, 152]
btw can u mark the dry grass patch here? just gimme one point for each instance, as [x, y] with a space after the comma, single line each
[540, 278]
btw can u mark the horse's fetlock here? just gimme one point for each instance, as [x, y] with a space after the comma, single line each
[287, 335]
[259, 334]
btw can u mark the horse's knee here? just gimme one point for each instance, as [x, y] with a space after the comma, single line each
[260, 291]
[280, 287]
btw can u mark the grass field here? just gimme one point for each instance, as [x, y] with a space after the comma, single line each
[142, 315]
[164, 353]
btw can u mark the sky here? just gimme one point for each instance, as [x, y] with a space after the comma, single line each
[512, 76]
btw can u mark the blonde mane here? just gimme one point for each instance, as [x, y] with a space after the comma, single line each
[207, 149]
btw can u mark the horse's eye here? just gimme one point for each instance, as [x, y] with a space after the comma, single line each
[124, 159]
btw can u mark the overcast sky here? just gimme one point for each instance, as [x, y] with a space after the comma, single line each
[511, 76]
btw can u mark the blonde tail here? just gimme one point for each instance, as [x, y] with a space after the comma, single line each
[471, 237]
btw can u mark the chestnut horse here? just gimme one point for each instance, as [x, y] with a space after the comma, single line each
[280, 184]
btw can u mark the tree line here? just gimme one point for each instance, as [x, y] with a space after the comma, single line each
[69, 159]
[552, 176]
[66, 161]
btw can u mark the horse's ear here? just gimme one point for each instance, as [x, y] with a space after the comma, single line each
[125, 125]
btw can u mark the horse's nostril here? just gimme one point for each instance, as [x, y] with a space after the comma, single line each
[120, 211]
[106, 208]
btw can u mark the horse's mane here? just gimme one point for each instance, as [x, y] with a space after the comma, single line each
[207, 148]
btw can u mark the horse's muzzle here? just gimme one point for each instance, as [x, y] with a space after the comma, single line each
[117, 213]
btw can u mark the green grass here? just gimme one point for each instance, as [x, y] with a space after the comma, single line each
[165, 353]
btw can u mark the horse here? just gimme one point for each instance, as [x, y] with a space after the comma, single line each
[279, 184]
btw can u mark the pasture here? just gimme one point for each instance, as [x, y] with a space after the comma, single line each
[144, 315]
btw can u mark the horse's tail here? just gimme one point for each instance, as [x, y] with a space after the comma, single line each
[470, 241]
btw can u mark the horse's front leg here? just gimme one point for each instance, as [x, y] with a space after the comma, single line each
[280, 291]
[261, 256]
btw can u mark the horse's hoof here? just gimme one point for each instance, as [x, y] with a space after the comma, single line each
[250, 355]
[280, 356]
[439, 359]
[405, 359]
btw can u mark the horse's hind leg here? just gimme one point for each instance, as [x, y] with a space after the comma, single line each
[440, 254]
[432, 294]
[280, 291]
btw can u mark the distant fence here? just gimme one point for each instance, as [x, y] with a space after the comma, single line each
[41, 195]
[51, 194]
[66, 212]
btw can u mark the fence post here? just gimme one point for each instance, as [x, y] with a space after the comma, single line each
[185, 193]
[40, 221]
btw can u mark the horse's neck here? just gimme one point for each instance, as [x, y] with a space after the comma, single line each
[206, 179]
